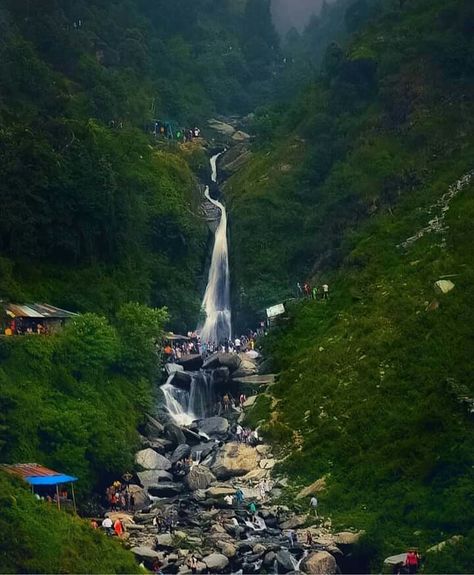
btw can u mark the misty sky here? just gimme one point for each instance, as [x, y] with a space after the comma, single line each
[293, 13]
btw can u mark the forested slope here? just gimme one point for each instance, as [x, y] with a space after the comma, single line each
[375, 386]
[93, 216]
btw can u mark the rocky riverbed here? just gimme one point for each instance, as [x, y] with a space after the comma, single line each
[222, 535]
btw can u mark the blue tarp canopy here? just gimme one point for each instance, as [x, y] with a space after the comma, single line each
[50, 480]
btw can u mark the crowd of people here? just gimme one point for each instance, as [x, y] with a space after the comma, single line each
[20, 326]
[175, 350]
[119, 497]
[312, 292]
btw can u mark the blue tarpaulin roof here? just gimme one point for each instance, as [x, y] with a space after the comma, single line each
[51, 480]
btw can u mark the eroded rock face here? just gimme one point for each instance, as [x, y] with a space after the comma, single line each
[319, 563]
[234, 460]
[200, 477]
[150, 459]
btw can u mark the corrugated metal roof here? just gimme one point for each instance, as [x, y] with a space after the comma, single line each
[37, 310]
[37, 474]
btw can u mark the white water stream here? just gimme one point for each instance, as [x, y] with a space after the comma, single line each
[216, 302]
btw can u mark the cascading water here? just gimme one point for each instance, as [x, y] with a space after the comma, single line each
[197, 402]
[216, 302]
[187, 405]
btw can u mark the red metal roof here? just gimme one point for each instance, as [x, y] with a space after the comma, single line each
[29, 470]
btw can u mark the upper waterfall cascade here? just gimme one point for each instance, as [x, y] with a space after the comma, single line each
[216, 302]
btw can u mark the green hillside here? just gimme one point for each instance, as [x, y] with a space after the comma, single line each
[37, 538]
[375, 384]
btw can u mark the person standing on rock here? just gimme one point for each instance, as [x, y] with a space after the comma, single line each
[229, 499]
[252, 509]
[238, 345]
[226, 402]
[314, 506]
[239, 497]
[242, 400]
[412, 561]
[309, 538]
[239, 430]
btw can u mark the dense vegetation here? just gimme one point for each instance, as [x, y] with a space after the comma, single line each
[92, 215]
[74, 401]
[37, 538]
[375, 384]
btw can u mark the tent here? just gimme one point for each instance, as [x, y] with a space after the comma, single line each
[38, 475]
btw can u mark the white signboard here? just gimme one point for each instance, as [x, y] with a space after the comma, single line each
[275, 310]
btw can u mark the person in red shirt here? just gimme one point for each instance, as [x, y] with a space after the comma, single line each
[412, 561]
[118, 528]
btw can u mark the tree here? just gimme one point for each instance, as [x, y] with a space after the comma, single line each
[140, 328]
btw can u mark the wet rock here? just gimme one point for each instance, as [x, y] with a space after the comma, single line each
[202, 450]
[174, 434]
[153, 477]
[183, 450]
[191, 362]
[182, 379]
[165, 489]
[220, 376]
[150, 459]
[269, 559]
[200, 477]
[286, 561]
[213, 426]
[173, 368]
[145, 553]
[216, 562]
[319, 562]
[234, 459]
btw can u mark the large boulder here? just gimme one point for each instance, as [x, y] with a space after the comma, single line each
[140, 496]
[234, 459]
[213, 426]
[220, 491]
[199, 477]
[153, 477]
[294, 522]
[347, 537]
[183, 450]
[247, 367]
[182, 379]
[150, 459]
[216, 562]
[169, 489]
[164, 540]
[230, 360]
[144, 553]
[191, 362]
[319, 563]
[173, 368]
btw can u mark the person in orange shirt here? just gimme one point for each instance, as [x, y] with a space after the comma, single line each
[118, 528]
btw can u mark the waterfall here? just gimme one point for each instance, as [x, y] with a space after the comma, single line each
[185, 406]
[216, 301]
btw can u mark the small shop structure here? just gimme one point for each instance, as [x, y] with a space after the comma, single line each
[35, 318]
[45, 483]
